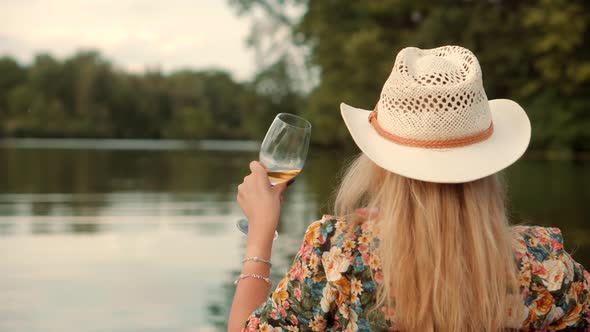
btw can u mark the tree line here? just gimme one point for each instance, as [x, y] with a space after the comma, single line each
[328, 51]
[86, 96]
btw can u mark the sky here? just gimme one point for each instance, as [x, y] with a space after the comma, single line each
[133, 34]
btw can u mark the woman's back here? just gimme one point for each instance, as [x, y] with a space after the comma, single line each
[333, 282]
[438, 253]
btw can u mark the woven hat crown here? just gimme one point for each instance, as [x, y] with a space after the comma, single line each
[434, 95]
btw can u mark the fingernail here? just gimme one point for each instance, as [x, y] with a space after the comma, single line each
[290, 182]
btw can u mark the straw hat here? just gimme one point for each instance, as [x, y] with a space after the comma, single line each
[433, 121]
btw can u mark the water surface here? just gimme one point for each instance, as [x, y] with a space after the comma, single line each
[141, 237]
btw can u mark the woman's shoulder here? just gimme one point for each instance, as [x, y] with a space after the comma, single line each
[540, 242]
[339, 231]
[345, 246]
[320, 231]
[554, 286]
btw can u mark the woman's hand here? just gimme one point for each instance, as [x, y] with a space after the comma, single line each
[261, 203]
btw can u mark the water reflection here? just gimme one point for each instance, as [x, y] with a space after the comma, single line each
[135, 240]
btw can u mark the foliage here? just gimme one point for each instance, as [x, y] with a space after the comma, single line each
[85, 96]
[530, 51]
[313, 55]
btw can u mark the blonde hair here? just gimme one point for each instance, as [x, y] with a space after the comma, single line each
[445, 248]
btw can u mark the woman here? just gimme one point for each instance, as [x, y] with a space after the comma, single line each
[422, 242]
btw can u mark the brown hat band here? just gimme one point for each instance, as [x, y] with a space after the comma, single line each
[431, 144]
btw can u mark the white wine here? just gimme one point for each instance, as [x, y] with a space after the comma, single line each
[279, 176]
[283, 152]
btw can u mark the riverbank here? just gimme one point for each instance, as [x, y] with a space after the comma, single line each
[128, 144]
[214, 145]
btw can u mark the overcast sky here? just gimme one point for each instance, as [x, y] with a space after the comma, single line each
[131, 33]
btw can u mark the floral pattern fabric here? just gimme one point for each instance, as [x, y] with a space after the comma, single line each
[332, 283]
[554, 288]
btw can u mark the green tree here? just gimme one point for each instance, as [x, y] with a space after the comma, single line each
[85, 96]
[271, 92]
[531, 51]
[12, 75]
[189, 123]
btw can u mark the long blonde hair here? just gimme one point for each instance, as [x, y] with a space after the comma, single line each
[445, 248]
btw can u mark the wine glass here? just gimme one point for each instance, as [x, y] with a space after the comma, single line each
[283, 152]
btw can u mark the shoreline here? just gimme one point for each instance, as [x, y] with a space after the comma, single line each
[129, 144]
[211, 145]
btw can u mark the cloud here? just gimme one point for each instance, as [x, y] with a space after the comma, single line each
[133, 33]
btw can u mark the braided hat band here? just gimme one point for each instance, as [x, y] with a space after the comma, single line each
[429, 144]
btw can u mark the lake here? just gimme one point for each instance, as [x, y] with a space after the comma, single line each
[140, 236]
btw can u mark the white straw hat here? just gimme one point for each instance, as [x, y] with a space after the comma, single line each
[433, 121]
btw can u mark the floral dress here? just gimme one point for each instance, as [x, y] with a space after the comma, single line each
[332, 283]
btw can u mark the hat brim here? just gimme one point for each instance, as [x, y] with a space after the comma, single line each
[508, 142]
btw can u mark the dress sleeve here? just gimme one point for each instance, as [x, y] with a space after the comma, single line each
[302, 297]
[555, 288]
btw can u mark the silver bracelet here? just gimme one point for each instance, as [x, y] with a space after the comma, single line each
[253, 275]
[257, 259]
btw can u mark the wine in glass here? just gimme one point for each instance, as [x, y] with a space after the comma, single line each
[283, 151]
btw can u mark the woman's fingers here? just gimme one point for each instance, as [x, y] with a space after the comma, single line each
[257, 168]
[259, 174]
[259, 179]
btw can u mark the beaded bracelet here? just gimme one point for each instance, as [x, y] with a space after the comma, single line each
[255, 276]
[257, 259]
